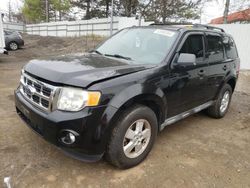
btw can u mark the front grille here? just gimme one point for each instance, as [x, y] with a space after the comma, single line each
[37, 92]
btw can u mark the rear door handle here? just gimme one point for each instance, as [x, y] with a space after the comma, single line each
[224, 68]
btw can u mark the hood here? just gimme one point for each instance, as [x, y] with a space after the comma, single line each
[81, 69]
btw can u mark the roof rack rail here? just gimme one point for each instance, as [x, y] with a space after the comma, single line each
[208, 27]
[171, 23]
[191, 24]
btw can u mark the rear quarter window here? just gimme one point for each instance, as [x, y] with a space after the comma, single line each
[230, 48]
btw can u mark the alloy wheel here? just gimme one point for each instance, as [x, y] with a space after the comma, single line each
[13, 46]
[225, 102]
[137, 138]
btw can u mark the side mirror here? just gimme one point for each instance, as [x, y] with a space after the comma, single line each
[225, 40]
[185, 60]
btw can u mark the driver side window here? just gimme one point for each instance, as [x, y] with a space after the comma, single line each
[194, 45]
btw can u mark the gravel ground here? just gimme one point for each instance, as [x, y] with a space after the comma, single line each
[195, 152]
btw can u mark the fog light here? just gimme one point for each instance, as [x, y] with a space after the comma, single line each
[68, 137]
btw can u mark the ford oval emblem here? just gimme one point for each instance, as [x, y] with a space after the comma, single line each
[30, 90]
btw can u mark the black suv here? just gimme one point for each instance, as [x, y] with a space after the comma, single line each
[114, 100]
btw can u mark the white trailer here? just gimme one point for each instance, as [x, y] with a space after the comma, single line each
[2, 41]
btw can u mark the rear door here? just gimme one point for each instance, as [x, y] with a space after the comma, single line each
[219, 65]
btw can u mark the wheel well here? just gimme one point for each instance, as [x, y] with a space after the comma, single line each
[12, 42]
[144, 100]
[232, 83]
[155, 108]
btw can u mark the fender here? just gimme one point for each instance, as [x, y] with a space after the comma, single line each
[133, 92]
[151, 91]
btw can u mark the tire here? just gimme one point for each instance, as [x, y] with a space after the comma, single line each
[13, 46]
[132, 119]
[217, 110]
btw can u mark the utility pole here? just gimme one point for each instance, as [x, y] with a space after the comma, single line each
[200, 14]
[47, 10]
[60, 10]
[140, 18]
[226, 11]
[10, 11]
[112, 13]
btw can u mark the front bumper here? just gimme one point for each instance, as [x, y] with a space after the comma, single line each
[89, 124]
[21, 43]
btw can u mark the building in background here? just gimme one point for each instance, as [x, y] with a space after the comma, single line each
[237, 17]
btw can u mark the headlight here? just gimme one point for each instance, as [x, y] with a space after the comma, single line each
[73, 99]
[20, 36]
[22, 77]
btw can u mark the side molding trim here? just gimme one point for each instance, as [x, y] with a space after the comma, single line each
[183, 115]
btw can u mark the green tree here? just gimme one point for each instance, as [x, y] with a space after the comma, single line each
[105, 7]
[130, 7]
[84, 5]
[60, 6]
[172, 10]
[35, 10]
[97, 8]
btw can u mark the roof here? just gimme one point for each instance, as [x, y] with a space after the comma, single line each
[243, 15]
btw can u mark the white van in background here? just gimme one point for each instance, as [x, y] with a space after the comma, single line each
[2, 41]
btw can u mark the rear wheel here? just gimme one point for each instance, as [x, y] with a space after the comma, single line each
[13, 46]
[133, 137]
[220, 108]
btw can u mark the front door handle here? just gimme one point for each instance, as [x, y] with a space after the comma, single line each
[224, 68]
[201, 72]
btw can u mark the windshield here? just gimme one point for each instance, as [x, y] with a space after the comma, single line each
[139, 45]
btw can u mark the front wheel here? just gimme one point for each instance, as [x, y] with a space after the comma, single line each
[133, 137]
[220, 108]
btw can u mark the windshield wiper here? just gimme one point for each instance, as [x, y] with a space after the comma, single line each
[96, 51]
[118, 56]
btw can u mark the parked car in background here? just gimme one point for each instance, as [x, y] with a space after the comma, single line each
[13, 40]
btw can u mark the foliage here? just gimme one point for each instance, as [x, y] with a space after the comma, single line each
[172, 11]
[35, 10]
[153, 10]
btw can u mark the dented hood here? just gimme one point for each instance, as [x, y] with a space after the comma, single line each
[81, 69]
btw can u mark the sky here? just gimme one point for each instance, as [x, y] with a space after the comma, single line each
[209, 11]
[15, 4]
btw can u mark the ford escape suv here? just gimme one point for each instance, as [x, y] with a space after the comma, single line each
[113, 101]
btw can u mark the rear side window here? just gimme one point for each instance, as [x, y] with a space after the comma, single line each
[215, 48]
[231, 51]
[194, 45]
